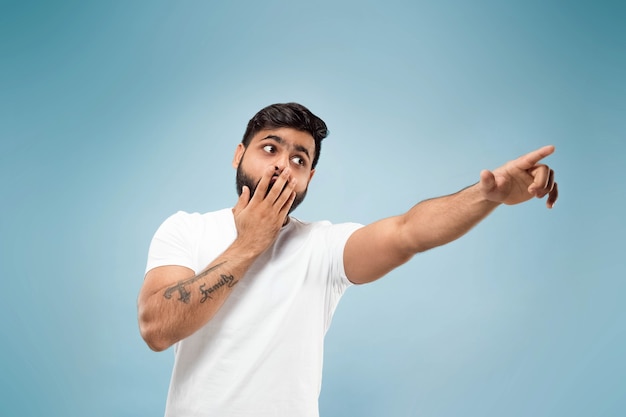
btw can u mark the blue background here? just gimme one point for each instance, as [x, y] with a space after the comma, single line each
[114, 115]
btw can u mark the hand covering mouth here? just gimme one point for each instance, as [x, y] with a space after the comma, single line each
[273, 181]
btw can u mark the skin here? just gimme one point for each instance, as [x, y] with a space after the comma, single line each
[174, 302]
[278, 148]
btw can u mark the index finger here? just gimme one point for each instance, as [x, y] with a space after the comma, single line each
[530, 159]
[262, 186]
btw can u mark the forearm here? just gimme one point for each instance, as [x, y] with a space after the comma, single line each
[173, 303]
[376, 249]
[438, 221]
[173, 307]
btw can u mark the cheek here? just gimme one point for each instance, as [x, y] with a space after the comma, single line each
[303, 182]
[252, 167]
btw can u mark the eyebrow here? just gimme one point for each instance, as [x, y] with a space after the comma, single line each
[282, 141]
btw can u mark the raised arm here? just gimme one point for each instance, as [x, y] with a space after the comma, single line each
[376, 249]
[174, 302]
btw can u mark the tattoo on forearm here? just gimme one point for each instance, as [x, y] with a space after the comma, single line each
[227, 280]
[183, 294]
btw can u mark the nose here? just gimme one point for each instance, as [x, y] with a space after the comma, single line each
[281, 162]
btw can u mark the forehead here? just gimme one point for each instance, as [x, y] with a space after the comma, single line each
[287, 136]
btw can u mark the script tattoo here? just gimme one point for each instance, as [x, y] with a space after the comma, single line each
[184, 295]
[228, 280]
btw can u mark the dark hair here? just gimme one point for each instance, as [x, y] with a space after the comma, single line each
[292, 115]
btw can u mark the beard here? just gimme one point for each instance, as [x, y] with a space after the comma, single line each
[244, 179]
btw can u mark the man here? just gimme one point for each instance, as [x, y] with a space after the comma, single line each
[246, 294]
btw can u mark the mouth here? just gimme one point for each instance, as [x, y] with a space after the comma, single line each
[273, 181]
[271, 184]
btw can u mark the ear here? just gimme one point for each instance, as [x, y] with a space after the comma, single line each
[238, 155]
[311, 174]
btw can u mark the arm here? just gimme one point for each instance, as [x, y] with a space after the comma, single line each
[173, 302]
[376, 249]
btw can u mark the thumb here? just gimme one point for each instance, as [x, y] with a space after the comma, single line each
[487, 180]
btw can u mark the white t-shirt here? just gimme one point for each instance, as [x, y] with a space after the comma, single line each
[261, 354]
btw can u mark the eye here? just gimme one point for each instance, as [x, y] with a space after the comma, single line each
[298, 160]
[269, 148]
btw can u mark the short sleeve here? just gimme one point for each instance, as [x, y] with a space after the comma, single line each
[173, 243]
[336, 239]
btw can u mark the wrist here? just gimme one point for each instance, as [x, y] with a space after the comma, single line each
[246, 249]
[476, 195]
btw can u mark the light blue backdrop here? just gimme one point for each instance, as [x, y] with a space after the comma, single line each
[116, 114]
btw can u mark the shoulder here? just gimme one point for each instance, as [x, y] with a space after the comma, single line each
[184, 221]
[184, 217]
[325, 229]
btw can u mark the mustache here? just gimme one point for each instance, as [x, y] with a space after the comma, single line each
[243, 179]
